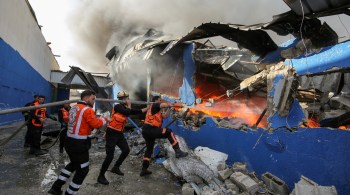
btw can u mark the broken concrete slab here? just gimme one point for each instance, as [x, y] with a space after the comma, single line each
[307, 186]
[244, 182]
[224, 174]
[275, 184]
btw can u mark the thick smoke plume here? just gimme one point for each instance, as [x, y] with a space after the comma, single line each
[100, 25]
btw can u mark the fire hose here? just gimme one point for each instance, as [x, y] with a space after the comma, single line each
[22, 109]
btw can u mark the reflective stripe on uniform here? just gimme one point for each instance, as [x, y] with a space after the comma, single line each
[74, 185]
[69, 191]
[76, 130]
[66, 172]
[63, 178]
[84, 165]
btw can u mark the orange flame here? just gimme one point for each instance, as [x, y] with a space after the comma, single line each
[239, 107]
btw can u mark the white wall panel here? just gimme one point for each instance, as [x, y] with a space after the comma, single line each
[19, 29]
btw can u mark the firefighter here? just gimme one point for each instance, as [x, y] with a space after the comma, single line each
[63, 117]
[152, 130]
[26, 114]
[38, 117]
[82, 120]
[115, 136]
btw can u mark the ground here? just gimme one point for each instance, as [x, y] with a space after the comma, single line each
[22, 173]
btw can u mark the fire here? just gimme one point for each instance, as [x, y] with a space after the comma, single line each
[248, 110]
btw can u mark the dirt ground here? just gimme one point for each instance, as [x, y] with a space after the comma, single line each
[22, 173]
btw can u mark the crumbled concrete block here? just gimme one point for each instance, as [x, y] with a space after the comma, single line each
[231, 192]
[275, 184]
[221, 166]
[244, 182]
[239, 166]
[187, 189]
[224, 174]
[230, 185]
[307, 186]
[211, 192]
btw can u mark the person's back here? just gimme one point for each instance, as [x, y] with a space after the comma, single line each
[26, 114]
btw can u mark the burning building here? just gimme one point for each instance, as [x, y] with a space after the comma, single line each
[281, 109]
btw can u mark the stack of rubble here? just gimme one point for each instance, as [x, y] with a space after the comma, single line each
[202, 179]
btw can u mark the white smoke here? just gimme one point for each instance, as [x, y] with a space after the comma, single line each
[100, 25]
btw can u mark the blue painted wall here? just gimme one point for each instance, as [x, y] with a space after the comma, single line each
[320, 154]
[19, 82]
[185, 91]
[332, 56]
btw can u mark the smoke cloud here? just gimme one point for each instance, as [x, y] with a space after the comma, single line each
[100, 25]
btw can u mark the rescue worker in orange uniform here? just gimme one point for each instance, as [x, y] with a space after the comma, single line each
[82, 120]
[115, 136]
[38, 117]
[152, 130]
[26, 115]
[63, 118]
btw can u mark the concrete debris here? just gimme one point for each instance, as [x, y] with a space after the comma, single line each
[202, 180]
[221, 166]
[275, 184]
[187, 189]
[224, 174]
[232, 123]
[245, 182]
[210, 157]
[283, 90]
[239, 166]
[307, 186]
[254, 80]
[231, 186]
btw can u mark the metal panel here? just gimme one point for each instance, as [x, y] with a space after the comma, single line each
[56, 77]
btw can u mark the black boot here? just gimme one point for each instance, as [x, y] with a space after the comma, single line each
[55, 191]
[102, 179]
[144, 172]
[116, 170]
[179, 153]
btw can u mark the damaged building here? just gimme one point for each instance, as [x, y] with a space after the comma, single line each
[272, 106]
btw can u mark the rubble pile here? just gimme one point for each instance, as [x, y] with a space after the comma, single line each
[210, 175]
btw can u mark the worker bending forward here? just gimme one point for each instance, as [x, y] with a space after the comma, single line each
[115, 136]
[152, 130]
[82, 120]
